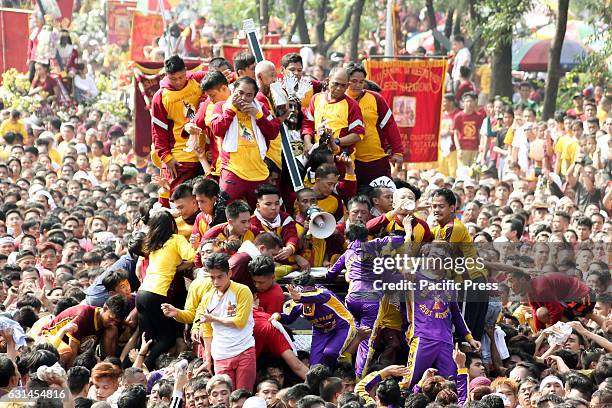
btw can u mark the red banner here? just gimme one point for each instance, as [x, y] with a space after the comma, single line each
[14, 37]
[119, 20]
[414, 89]
[145, 28]
[273, 52]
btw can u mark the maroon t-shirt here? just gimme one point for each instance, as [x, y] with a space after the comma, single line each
[84, 316]
[468, 126]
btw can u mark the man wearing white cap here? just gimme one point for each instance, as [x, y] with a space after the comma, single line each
[552, 385]
[254, 402]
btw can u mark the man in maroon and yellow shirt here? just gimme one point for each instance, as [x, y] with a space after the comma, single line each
[173, 106]
[334, 110]
[216, 88]
[371, 158]
[268, 217]
[245, 129]
[88, 322]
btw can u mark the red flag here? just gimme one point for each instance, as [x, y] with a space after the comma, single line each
[145, 28]
[119, 20]
[414, 90]
[14, 37]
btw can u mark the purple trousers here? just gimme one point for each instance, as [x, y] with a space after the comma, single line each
[426, 353]
[365, 311]
[326, 347]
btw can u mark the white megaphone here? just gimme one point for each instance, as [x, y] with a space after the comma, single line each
[322, 224]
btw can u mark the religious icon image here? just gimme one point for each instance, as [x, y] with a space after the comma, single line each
[404, 110]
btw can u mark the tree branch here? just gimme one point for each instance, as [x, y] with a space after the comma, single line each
[299, 10]
[342, 29]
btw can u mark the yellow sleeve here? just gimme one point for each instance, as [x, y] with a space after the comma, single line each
[194, 295]
[207, 330]
[361, 390]
[244, 309]
[185, 250]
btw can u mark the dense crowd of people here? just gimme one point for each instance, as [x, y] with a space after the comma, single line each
[187, 279]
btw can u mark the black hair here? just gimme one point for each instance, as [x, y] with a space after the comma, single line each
[447, 194]
[28, 299]
[63, 304]
[134, 243]
[543, 401]
[325, 170]
[133, 396]
[218, 261]
[464, 72]
[578, 381]
[206, 187]
[388, 392]
[459, 38]
[247, 80]
[417, 400]
[118, 306]
[7, 371]
[219, 64]
[238, 394]
[243, 60]
[297, 392]
[585, 222]
[235, 208]
[345, 370]
[78, 378]
[81, 402]
[266, 189]
[315, 376]
[353, 67]
[114, 278]
[213, 80]
[261, 265]
[161, 228]
[291, 58]
[26, 316]
[470, 95]
[602, 371]
[182, 191]
[174, 64]
[357, 232]
[360, 199]
[517, 226]
[310, 401]
[329, 387]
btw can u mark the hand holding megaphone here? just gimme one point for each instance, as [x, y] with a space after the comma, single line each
[322, 224]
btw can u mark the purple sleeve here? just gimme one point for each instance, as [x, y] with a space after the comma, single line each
[462, 388]
[294, 313]
[336, 268]
[317, 296]
[458, 321]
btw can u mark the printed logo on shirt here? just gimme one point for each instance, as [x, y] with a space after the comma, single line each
[231, 309]
[469, 130]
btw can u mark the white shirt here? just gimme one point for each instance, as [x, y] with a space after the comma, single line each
[229, 341]
[463, 58]
[87, 84]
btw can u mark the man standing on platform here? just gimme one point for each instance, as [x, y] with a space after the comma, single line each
[173, 106]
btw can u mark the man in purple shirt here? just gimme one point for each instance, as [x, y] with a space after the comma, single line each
[363, 300]
[433, 311]
[333, 327]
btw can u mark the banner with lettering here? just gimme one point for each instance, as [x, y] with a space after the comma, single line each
[119, 20]
[145, 28]
[273, 52]
[147, 77]
[414, 89]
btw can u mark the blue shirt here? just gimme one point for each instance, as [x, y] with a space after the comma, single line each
[97, 294]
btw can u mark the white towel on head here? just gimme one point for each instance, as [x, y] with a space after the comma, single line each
[230, 141]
